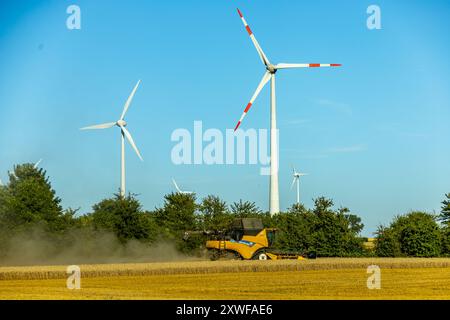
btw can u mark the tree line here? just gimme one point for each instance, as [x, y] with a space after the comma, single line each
[29, 203]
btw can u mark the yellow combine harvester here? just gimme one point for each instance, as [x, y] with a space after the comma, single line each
[247, 239]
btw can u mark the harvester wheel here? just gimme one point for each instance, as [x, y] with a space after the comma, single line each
[233, 255]
[260, 255]
[213, 254]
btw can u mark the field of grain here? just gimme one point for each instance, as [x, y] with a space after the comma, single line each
[307, 279]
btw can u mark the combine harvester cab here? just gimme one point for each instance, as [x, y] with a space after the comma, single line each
[248, 239]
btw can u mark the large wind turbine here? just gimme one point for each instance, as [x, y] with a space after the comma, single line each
[124, 133]
[179, 190]
[271, 69]
[297, 176]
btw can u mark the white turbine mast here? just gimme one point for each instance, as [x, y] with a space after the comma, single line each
[271, 69]
[121, 123]
[297, 176]
[179, 190]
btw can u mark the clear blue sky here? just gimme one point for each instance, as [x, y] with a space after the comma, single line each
[374, 134]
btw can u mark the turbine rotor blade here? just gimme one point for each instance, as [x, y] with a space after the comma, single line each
[261, 85]
[305, 65]
[293, 182]
[130, 98]
[37, 164]
[176, 186]
[260, 51]
[100, 126]
[131, 141]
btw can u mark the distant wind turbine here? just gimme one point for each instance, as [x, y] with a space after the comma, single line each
[297, 176]
[179, 190]
[35, 166]
[271, 69]
[124, 133]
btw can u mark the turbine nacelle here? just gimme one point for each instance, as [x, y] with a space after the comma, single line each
[299, 174]
[121, 123]
[271, 68]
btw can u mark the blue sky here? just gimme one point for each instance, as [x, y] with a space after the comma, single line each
[373, 135]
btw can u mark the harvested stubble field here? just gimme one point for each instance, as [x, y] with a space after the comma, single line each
[334, 278]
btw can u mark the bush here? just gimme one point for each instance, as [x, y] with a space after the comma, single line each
[387, 243]
[416, 234]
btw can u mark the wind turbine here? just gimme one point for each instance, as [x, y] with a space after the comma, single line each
[297, 176]
[179, 190]
[271, 69]
[121, 123]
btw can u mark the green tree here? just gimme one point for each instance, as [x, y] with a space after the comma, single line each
[445, 212]
[245, 209]
[178, 213]
[415, 234]
[327, 233]
[420, 235]
[354, 222]
[124, 217]
[446, 240]
[387, 243]
[445, 219]
[214, 212]
[177, 216]
[335, 233]
[5, 229]
[294, 229]
[29, 200]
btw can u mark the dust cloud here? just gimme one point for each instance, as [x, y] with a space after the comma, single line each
[36, 247]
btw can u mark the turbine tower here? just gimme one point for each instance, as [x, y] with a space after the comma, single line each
[121, 123]
[271, 69]
[179, 190]
[297, 176]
